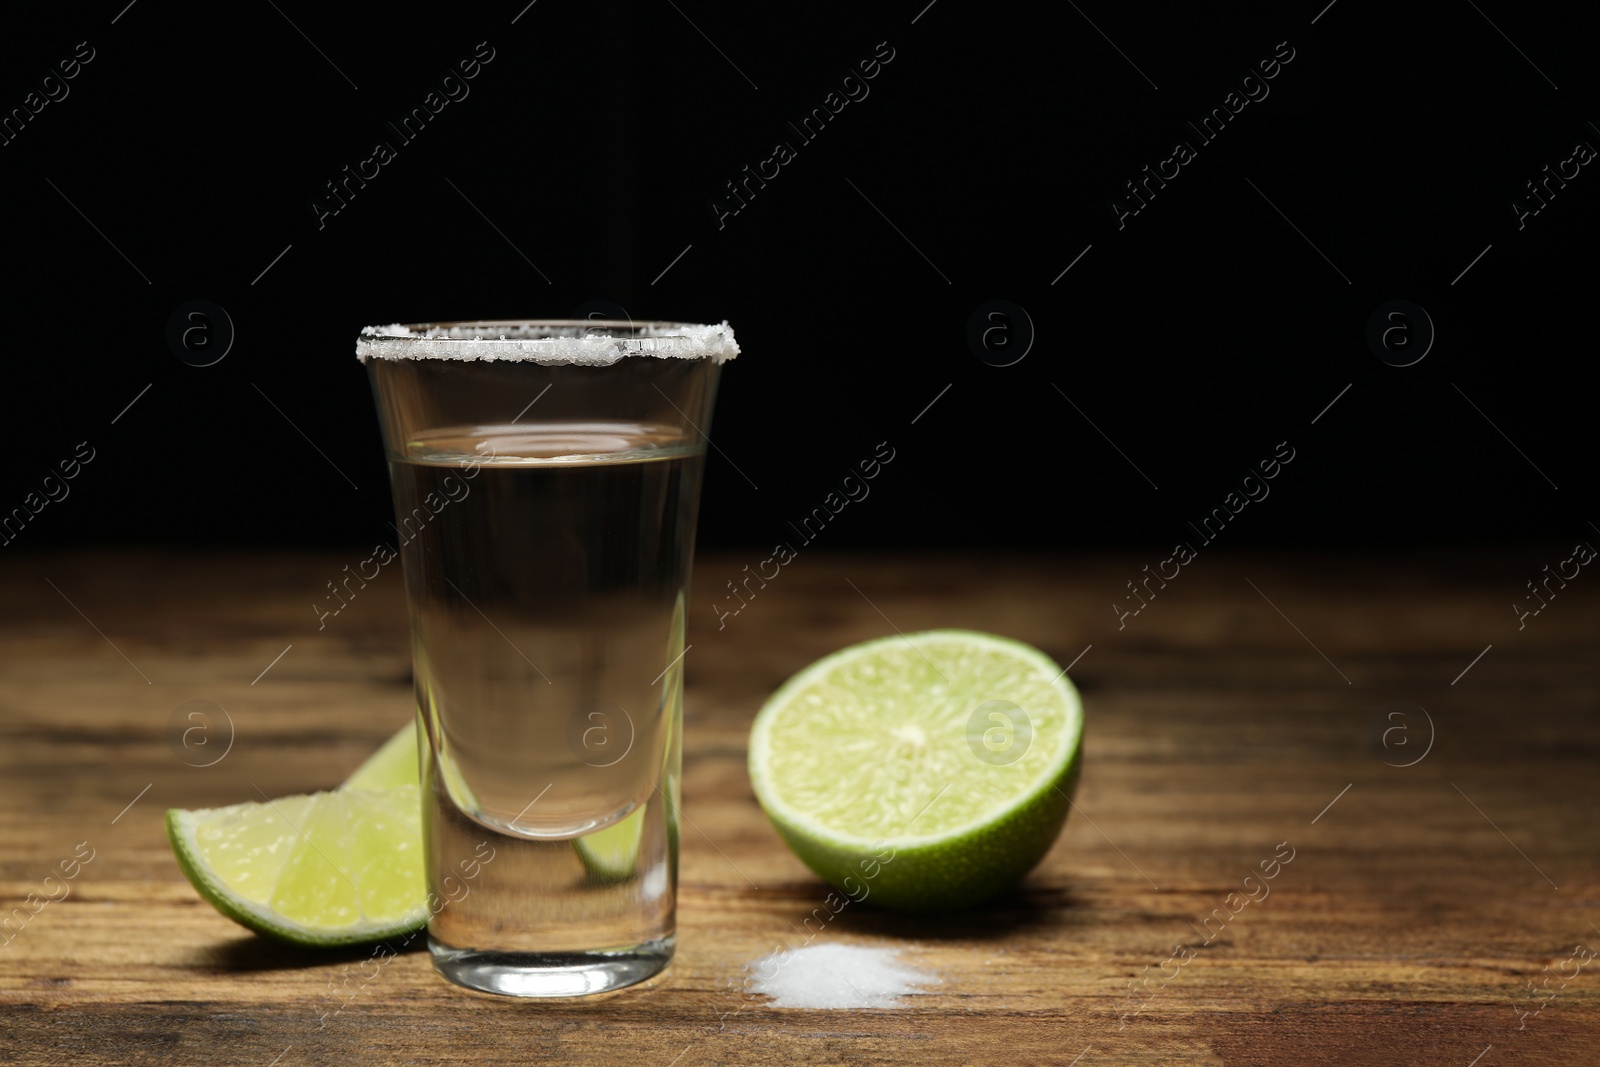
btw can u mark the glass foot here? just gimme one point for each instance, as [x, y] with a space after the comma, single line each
[554, 974]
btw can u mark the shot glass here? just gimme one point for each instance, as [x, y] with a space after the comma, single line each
[546, 479]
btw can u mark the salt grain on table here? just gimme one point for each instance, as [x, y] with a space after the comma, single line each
[836, 976]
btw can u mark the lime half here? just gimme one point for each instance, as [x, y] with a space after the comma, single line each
[335, 868]
[920, 772]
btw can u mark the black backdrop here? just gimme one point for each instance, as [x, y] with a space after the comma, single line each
[584, 161]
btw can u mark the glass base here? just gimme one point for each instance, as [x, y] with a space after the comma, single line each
[550, 974]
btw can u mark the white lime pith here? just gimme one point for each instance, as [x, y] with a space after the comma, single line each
[920, 772]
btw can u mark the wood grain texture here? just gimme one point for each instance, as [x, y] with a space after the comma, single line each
[1406, 930]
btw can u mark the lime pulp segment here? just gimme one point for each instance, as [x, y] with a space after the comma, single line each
[859, 746]
[395, 763]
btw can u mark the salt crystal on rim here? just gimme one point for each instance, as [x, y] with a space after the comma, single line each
[577, 341]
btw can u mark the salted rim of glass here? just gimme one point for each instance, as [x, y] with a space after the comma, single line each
[548, 341]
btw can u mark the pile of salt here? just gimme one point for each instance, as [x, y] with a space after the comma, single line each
[836, 976]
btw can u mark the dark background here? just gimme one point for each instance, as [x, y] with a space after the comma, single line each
[585, 159]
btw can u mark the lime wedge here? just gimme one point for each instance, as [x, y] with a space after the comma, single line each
[922, 772]
[393, 764]
[321, 869]
[610, 855]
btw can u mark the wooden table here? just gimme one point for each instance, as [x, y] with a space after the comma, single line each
[1256, 700]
